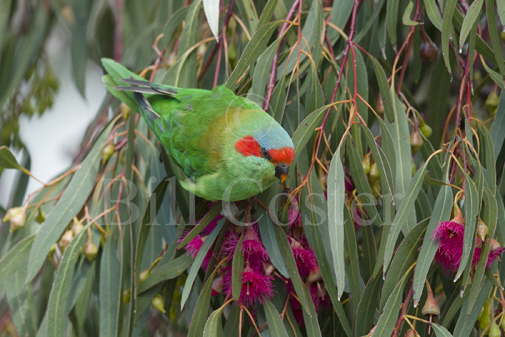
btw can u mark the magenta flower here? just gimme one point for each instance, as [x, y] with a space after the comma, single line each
[349, 185]
[318, 295]
[256, 286]
[493, 255]
[254, 252]
[304, 257]
[194, 246]
[449, 235]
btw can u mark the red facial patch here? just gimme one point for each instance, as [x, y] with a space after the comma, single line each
[283, 155]
[248, 146]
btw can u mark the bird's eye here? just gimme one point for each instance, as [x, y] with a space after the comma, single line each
[265, 154]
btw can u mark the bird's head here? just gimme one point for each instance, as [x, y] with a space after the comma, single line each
[275, 148]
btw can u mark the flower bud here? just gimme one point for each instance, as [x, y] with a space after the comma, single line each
[494, 331]
[159, 303]
[107, 152]
[425, 130]
[431, 305]
[90, 250]
[144, 275]
[66, 238]
[492, 101]
[502, 34]
[374, 172]
[365, 163]
[482, 231]
[77, 226]
[416, 141]
[124, 110]
[376, 187]
[485, 315]
[41, 216]
[16, 217]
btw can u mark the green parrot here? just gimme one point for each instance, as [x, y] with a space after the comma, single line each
[228, 147]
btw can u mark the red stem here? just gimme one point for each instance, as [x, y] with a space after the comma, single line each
[273, 71]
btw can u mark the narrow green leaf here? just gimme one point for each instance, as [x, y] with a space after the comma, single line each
[237, 268]
[495, 76]
[385, 91]
[275, 325]
[253, 49]
[440, 331]
[269, 240]
[404, 257]
[447, 30]
[57, 307]
[406, 18]
[340, 13]
[336, 200]
[501, 11]
[471, 211]
[389, 315]
[14, 260]
[201, 312]
[193, 271]
[494, 36]
[470, 20]
[7, 159]
[301, 291]
[71, 202]
[497, 134]
[433, 13]
[392, 7]
[110, 288]
[469, 313]
[208, 217]
[367, 307]
[167, 270]
[213, 324]
[401, 217]
[441, 212]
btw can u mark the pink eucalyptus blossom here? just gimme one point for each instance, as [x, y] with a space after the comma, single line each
[449, 235]
[194, 246]
[256, 286]
[304, 257]
[254, 252]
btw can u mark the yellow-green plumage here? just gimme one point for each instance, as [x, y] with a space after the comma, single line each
[200, 129]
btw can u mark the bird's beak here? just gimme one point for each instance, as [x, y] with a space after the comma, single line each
[281, 172]
[283, 179]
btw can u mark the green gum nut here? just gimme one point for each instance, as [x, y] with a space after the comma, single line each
[426, 130]
[494, 331]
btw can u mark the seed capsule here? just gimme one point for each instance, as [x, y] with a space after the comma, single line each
[159, 303]
[90, 250]
[16, 217]
[425, 130]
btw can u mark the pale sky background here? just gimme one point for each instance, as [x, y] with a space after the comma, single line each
[53, 139]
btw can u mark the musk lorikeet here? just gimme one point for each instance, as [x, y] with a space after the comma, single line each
[227, 146]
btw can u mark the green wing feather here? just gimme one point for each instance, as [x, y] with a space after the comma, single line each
[188, 122]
